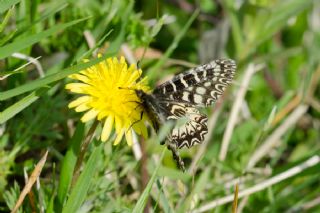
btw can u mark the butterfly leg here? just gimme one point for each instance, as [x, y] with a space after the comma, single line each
[137, 102]
[176, 156]
[141, 116]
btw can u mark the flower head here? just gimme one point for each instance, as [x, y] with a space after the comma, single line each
[108, 95]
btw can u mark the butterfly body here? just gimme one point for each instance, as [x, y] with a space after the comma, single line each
[151, 108]
[181, 97]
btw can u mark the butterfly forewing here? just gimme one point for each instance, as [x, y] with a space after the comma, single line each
[200, 86]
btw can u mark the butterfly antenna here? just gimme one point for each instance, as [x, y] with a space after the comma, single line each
[126, 88]
[139, 67]
[138, 64]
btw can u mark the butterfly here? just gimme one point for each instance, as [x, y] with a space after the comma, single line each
[181, 97]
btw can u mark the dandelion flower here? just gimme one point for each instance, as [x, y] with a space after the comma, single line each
[108, 95]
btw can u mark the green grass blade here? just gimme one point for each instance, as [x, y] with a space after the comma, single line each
[54, 9]
[4, 73]
[23, 43]
[41, 82]
[163, 200]
[6, 4]
[68, 165]
[153, 72]
[146, 192]
[173, 174]
[99, 43]
[279, 17]
[235, 25]
[80, 190]
[17, 70]
[199, 187]
[17, 107]
[116, 44]
[6, 19]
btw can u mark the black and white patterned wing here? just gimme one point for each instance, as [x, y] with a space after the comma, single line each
[200, 86]
[193, 128]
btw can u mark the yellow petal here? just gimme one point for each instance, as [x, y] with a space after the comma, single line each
[129, 137]
[89, 115]
[108, 124]
[144, 132]
[119, 137]
[103, 114]
[79, 101]
[77, 87]
[118, 123]
[141, 129]
[82, 108]
[122, 60]
[82, 78]
[73, 76]
[71, 86]
[133, 77]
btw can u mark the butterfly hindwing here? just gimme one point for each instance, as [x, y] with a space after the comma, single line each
[191, 131]
[192, 127]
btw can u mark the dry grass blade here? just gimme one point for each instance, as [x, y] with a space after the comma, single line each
[314, 82]
[31, 60]
[128, 53]
[236, 108]
[311, 204]
[235, 200]
[34, 175]
[274, 139]
[31, 196]
[242, 204]
[289, 107]
[263, 185]
[311, 98]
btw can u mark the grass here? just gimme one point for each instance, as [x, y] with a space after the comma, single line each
[263, 133]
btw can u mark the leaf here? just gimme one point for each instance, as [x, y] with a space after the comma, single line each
[68, 164]
[80, 190]
[6, 4]
[20, 105]
[6, 19]
[173, 174]
[41, 82]
[146, 192]
[164, 202]
[23, 43]
[198, 188]
[153, 72]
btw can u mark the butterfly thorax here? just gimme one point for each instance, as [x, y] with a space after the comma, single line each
[151, 108]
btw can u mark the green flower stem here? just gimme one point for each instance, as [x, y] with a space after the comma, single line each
[84, 147]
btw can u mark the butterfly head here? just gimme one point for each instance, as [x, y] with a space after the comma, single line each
[141, 94]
